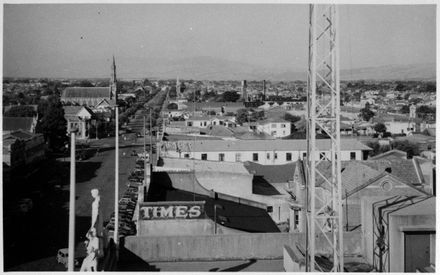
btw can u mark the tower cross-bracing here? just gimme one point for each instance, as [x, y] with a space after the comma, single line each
[324, 213]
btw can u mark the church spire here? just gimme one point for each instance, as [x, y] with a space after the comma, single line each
[113, 84]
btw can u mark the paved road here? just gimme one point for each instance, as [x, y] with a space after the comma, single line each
[104, 180]
[45, 230]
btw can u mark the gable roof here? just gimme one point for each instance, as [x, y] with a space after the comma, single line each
[17, 123]
[356, 175]
[393, 154]
[86, 92]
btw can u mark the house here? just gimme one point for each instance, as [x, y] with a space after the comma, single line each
[266, 152]
[79, 117]
[22, 148]
[11, 124]
[370, 180]
[276, 127]
[206, 121]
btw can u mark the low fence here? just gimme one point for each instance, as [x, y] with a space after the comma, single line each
[229, 247]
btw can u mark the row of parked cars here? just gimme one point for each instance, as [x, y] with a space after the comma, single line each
[127, 203]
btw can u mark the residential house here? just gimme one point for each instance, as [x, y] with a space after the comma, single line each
[80, 118]
[276, 127]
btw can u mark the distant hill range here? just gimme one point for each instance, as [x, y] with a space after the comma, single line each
[209, 68]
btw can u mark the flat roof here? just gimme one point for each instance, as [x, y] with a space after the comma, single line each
[239, 216]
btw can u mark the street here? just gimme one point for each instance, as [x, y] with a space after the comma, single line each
[38, 234]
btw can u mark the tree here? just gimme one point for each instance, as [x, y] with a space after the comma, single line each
[404, 109]
[404, 145]
[365, 113]
[292, 119]
[380, 128]
[426, 112]
[172, 93]
[53, 125]
[172, 106]
[377, 148]
[248, 115]
[401, 87]
[230, 96]
[21, 111]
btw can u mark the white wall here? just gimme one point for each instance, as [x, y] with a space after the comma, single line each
[230, 156]
[275, 129]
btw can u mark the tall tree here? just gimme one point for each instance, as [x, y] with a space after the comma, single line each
[53, 125]
[365, 113]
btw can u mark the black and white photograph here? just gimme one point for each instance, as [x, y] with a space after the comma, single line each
[219, 136]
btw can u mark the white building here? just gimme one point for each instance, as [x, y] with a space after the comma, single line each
[275, 127]
[265, 152]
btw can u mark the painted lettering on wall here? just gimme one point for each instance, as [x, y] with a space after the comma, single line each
[172, 210]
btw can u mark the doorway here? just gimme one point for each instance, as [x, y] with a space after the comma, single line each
[417, 250]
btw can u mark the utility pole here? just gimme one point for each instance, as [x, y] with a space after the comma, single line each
[71, 259]
[145, 157]
[151, 141]
[323, 112]
[116, 230]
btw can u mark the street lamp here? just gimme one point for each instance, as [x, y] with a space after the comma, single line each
[215, 215]
[71, 259]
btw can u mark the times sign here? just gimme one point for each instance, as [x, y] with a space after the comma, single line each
[172, 210]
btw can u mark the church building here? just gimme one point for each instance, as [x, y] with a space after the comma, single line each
[93, 97]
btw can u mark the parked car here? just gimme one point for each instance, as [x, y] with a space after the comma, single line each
[63, 257]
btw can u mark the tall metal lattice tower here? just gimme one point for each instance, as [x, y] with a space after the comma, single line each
[324, 213]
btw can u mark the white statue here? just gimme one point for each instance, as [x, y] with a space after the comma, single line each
[96, 213]
[90, 263]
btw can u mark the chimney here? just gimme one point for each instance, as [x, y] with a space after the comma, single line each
[264, 90]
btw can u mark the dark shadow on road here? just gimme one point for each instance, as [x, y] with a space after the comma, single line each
[240, 267]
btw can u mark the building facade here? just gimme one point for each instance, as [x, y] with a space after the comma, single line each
[266, 152]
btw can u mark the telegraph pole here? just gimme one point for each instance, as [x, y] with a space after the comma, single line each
[323, 97]
[145, 157]
[116, 230]
[71, 259]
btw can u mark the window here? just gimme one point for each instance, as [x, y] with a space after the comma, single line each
[386, 186]
[273, 133]
[288, 156]
[304, 155]
[322, 156]
[190, 123]
[296, 219]
[255, 156]
[275, 155]
[268, 155]
[283, 125]
[273, 125]
[221, 157]
[352, 155]
[186, 156]
[237, 157]
[204, 156]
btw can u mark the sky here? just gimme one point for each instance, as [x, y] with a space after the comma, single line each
[43, 39]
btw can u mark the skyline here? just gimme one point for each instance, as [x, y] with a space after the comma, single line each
[78, 40]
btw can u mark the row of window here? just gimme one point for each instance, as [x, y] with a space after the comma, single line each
[221, 156]
[275, 126]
